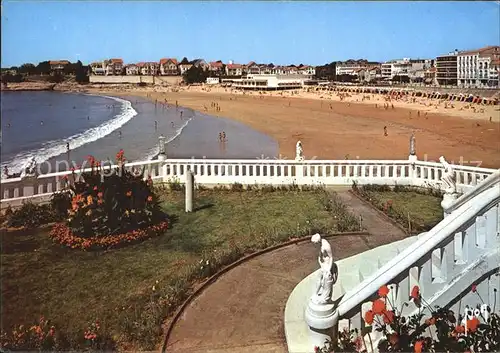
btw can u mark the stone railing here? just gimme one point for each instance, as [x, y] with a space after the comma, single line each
[267, 172]
[462, 250]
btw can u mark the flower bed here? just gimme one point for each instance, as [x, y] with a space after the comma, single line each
[63, 235]
[107, 209]
[443, 331]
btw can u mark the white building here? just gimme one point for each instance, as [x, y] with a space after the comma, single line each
[270, 82]
[234, 69]
[349, 68]
[475, 67]
[213, 80]
[132, 70]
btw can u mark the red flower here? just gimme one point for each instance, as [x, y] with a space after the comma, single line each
[419, 346]
[472, 324]
[369, 317]
[95, 188]
[388, 317]
[415, 293]
[150, 198]
[99, 194]
[316, 349]
[460, 329]
[378, 306]
[474, 288]
[129, 193]
[383, 291]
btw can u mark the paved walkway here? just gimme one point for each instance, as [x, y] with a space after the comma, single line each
[243, 310]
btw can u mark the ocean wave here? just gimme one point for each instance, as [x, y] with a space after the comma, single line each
[54, 148]
[153, 153]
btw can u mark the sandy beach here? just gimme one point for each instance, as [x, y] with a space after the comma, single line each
[333, 129]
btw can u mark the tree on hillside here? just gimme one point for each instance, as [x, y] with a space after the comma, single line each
[327, 71]
[27, 69]
[81, 72]
[195, 75]
[43, 68]
[184, 61]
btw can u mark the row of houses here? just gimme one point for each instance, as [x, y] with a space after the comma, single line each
[171, 67]
[477, 68]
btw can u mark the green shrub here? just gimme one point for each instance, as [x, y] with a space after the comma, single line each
[60, 203]
[31, 215]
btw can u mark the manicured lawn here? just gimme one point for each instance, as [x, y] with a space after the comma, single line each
[424, 210]
[73, 287]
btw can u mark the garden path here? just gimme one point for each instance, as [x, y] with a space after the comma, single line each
[243, 310]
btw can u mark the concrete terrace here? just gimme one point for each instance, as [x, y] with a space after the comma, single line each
[243, 310]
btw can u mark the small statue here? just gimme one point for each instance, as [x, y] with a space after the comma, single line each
[448, 179]
[412, 144]
[324, 288]
[299, 152]
[30, 170]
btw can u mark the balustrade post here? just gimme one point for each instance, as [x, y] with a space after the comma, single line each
[162, 156]
[189, 190]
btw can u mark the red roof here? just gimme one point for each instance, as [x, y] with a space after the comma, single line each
[141, 64]
[165, 60]
[59, 62]
[234, 66]
[216, 64]
[116, 61]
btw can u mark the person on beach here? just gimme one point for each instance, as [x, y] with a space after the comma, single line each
[156, 125]
[88, 117]
[176, 104]
[172, 124]
[223, 136]
[67, 147]
[181, 115]
[41, 122]
[220, 137]
[119, 134]
[385, 131]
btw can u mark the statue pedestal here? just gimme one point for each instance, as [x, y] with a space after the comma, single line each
[412, 158]
[162, 157]
[448, 199]
[320, 319]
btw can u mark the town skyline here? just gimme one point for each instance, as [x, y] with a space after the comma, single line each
[24, 25]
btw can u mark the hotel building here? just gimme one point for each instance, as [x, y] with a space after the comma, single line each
[476, 68]
[446, 69]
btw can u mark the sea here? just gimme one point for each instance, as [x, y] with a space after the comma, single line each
[41, 126]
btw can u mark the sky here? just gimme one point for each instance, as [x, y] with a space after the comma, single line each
[283, 33]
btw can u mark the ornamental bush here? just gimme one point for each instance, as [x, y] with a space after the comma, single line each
[108, 207]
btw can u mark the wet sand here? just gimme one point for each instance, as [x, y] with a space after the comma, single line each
[330, 129]
[190, 135]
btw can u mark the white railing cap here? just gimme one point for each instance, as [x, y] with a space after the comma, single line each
[423, 246]
[491, 181]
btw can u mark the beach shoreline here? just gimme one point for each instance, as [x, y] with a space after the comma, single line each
[347, 130]
[331, 127]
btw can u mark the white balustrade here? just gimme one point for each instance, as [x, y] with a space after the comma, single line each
[268, 172]
[462, 250]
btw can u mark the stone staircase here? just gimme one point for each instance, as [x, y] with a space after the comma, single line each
[351, 272]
